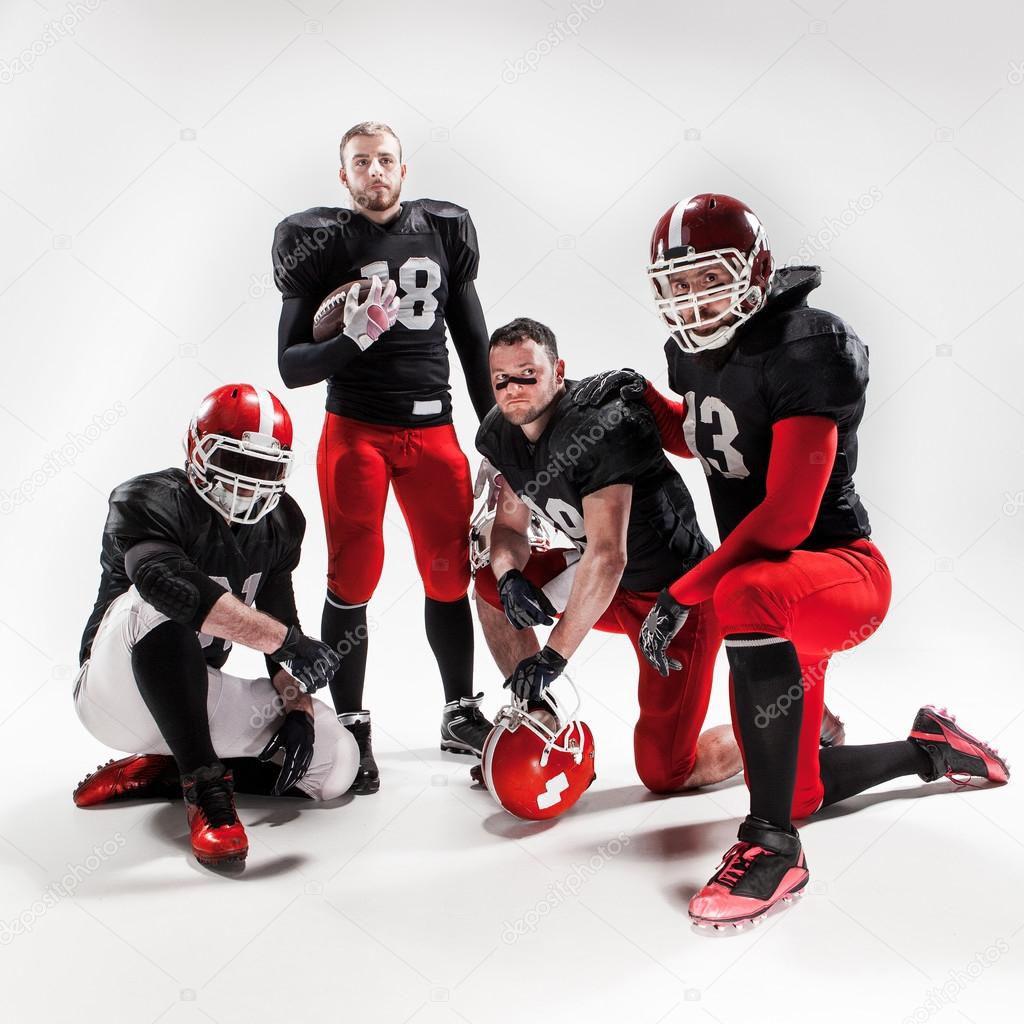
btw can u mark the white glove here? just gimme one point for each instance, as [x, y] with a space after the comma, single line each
[487, 476]
[366, 322]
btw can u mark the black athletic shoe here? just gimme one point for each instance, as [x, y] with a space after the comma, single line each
[368, 777]
[833, 732]
[766, 865]
[464, 727]
[954, 752]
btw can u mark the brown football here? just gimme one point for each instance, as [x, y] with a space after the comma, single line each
[328, 321]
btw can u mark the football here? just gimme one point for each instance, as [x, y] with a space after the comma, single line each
[328, 321]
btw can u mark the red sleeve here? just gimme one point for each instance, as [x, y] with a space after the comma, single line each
[803, 451]
[669, 417]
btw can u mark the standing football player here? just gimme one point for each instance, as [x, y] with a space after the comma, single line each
[389, 420]
[773, 393]
[600, 476]
[186, 554]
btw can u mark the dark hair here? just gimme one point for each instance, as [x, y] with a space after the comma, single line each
[524, 329]
[368, 128]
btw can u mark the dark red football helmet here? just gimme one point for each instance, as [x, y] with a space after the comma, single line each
[239, 451]
[710, 259]
[538, 763]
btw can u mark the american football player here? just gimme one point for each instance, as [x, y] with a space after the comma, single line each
[772, 395]
[389, 420]
[599, 475]
[186, 555]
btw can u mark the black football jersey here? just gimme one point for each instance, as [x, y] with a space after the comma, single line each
[787, 360]
[253, 561]
[429, 250]
[584, 449]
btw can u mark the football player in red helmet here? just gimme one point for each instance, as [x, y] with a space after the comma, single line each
[186, 555]
[772, 395]
[389, 413]
[599, 477]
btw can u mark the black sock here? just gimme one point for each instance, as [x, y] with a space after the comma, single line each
[257, 777]
[171, 674]
[344, 628]
[450, 634]
[846, 771]
[765, 669]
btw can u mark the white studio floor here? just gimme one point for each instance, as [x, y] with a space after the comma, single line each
[427, 902]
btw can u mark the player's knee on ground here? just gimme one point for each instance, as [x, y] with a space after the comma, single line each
[745, 601]
[658, 772]
[335, 757]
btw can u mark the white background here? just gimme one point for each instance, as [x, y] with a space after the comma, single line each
[149, 151]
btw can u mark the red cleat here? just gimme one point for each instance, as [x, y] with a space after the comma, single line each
[217, 835]
[833, 732]
[136, 777]
[765, 867]
[955, 753]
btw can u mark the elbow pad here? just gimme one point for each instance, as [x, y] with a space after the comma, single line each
[172, 583]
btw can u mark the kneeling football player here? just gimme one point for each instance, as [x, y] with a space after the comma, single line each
[186, 553]
[600, 476]
[772, 395]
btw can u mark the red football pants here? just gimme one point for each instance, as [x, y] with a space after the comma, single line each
[356, 463]
[823, 602]
[672, 710]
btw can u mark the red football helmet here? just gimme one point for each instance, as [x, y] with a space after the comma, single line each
[239, 451]
[709, 233]
[537, 764]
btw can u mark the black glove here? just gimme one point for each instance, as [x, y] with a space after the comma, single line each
[525, 605]
[628, 384]
[312, 662]
[295, 738]
[663, 621]
[533, 675]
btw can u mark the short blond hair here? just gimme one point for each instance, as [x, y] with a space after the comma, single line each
[368, 128]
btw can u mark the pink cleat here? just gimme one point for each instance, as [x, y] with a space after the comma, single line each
[955, 753]
[765, 867]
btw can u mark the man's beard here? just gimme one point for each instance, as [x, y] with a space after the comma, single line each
[520, 416]
[376, 199]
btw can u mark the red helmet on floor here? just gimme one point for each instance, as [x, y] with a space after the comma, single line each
[538, 763]
[239, 451]
[710, 259]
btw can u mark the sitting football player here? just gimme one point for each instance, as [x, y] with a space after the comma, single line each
[186, 554]
[773, 392]
[600, 476]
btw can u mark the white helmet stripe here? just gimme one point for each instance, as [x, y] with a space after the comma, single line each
[675, 224]
[266, 401]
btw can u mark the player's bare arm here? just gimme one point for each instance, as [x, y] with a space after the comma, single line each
[510, 544]
[606, 516]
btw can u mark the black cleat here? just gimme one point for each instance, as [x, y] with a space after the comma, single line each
[368, 777]
[954, 752]
[464, 727]
[833, 732]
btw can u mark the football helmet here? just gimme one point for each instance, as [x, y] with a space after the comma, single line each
[541, 534]
[709, 232]
[537, 762]
[239, 451]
